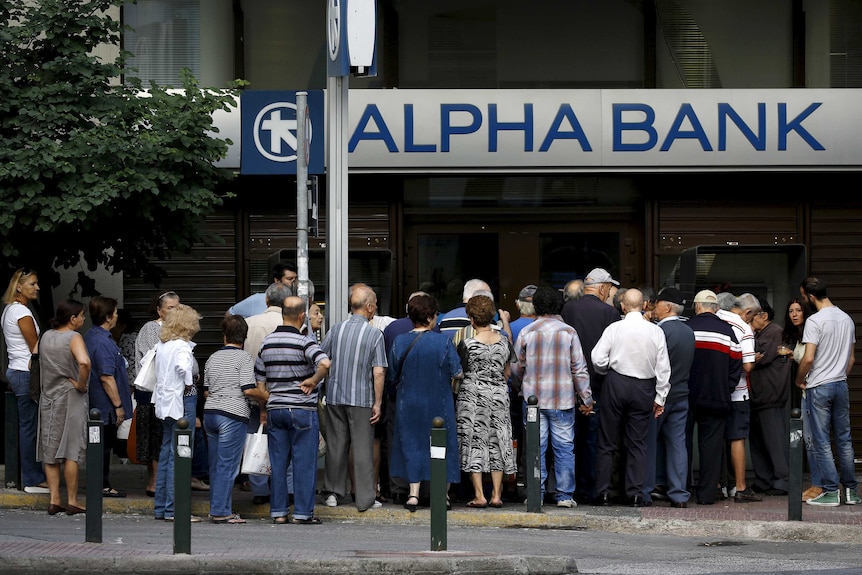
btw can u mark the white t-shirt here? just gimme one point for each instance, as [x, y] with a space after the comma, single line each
[16, 345]
[746, 341]
[834, 333]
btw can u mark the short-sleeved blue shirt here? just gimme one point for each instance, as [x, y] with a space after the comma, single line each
[106, 359]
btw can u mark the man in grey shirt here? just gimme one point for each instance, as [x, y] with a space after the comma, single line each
[354, 392]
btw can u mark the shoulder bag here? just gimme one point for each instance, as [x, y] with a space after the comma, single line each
[146, 378]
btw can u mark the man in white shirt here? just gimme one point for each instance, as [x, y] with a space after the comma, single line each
[633, 355]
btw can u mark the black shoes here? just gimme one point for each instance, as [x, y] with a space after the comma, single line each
[659, 493]
[603, 500]
[639, 501]
[679, 504]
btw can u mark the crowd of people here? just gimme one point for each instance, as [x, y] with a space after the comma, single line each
[631, 393]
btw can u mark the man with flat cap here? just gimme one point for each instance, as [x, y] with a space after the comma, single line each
[667, 458]
[714, 374]
[590, 315]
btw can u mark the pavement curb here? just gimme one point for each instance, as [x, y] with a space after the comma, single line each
[412, 563]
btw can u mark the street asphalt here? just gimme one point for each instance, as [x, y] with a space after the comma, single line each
[51, 549]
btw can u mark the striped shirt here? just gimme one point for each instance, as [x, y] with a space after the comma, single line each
[286, 359]
[227, 374]
[552, 364]
[356, 347]
[745, 337]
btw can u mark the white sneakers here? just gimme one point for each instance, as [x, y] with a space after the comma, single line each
[36, 489]
[568, 503]
[331, 500]
[376, 505]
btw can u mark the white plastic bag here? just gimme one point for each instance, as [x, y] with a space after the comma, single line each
[146, 378]
[255, 456]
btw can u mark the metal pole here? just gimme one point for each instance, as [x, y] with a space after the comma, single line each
[95, 463]
[302, 195]
[533, 472]
[13, 468]
[794, 490]
[438, 485]
[182, 487]
[336, 206]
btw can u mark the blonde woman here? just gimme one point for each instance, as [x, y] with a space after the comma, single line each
[174, 397]
[22, 338]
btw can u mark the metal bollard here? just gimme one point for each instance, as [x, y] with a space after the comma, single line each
[95, 466]
[533, 472]
[438, 485]
[13, 467]
[183, 487]
[794, 490]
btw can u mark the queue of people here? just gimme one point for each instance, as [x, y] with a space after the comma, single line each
[620, 389]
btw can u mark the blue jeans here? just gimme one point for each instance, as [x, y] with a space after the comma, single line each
[559, 426]
[293, 437]
[163, 506]
[225, 441]
[828, 407]
[667, 456]
[813, 466]
[32, 473]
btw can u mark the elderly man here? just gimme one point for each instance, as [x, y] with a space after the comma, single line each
[290, 366]
[714, 374]
[451, 322]
[354, 395]
[632, 354]
[667, 463]
[590, 315]
[552, 366]
[739, 316]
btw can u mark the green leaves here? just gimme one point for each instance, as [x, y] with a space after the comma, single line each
[87, 167]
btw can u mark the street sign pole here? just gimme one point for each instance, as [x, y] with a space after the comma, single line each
[302, 195]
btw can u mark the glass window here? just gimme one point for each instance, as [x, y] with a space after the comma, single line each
[165, 38]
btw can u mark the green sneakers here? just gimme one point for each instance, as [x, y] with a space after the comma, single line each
[827, 499]
[850, 497]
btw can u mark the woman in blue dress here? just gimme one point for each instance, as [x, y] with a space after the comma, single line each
[423, 364]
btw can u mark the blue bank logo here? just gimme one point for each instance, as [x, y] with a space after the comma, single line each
[269, 132]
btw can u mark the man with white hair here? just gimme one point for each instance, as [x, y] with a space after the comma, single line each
[454, 320]
[742, 311]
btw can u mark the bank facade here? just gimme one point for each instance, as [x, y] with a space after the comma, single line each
[686, 142]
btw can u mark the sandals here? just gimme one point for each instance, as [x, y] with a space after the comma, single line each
[111, 492]
[475, 505]
[282, 520]
[234, 519]
[411, 507]
[495, 504]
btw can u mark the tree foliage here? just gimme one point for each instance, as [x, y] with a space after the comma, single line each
[89, 167]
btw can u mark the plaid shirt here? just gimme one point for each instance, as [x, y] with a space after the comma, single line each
[551, 363]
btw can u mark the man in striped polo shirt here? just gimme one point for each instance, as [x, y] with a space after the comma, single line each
[291, 365]
[354, 392]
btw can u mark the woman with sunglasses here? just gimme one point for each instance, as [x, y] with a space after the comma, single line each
[148, 428]
[22, 339]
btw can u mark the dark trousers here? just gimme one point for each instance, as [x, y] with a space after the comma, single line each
[770, 455]
[586, 447]
[710, 445]
[627, 406]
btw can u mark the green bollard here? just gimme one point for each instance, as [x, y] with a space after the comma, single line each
[95, 465]
[533, 472]
[438, 485]
[794, 490]
[183, 487]
[13, 468]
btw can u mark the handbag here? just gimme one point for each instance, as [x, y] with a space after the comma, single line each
[146, 378]
[35, 378]
[255, 455]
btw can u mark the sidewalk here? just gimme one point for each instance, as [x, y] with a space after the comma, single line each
[764, 520]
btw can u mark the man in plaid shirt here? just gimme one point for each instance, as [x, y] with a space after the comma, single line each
[552, 367]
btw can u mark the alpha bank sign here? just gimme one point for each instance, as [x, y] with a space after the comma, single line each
[471, 130]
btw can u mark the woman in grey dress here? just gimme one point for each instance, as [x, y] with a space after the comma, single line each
[484, 421]
[63, 405]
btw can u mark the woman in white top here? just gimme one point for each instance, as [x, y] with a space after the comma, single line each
[22, 339]
[175, 366]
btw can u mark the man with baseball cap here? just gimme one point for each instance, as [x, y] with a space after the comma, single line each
[590, 315]
[714, 374]
[667, 458]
